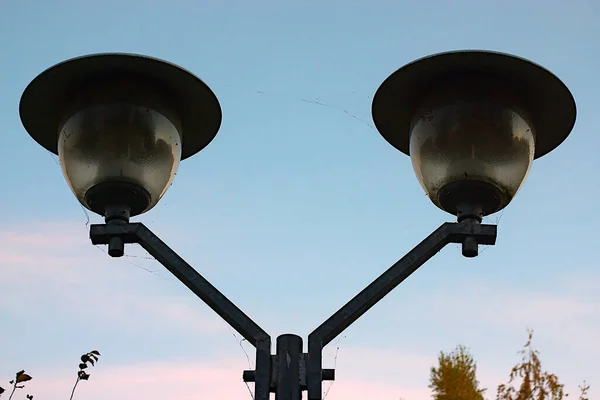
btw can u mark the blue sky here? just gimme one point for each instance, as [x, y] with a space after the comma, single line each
[291, 190]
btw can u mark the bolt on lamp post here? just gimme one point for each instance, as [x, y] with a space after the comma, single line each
[471, 121]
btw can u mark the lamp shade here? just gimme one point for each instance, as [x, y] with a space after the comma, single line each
[120, 124]
[472, 123]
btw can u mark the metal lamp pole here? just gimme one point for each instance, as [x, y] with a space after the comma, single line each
[289, 370]
[472, 122]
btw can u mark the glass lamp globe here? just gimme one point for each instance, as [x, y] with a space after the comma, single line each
[120, 125]
[472, 123]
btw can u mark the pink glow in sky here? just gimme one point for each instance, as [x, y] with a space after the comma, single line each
[70, 269]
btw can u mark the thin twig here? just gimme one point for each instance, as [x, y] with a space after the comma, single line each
[13, 391]
[74, 387]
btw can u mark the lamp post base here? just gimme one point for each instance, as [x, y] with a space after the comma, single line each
[288, 372]
[287, 367]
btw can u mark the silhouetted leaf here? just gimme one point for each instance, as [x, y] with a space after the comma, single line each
[11, 381]
[30, 396]
[2, 390]
[83, 366]
[83, 376]
[23, 378]
[21, 372]
[96, 352]
[91, 360]
[85, 358]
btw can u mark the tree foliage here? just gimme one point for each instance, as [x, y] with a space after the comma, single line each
[528, 381]
[455, 377]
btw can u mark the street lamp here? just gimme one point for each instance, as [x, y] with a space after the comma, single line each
[120, 124]
[471, 121]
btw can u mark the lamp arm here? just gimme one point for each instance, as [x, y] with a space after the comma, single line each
[384, 284]
[235, 317]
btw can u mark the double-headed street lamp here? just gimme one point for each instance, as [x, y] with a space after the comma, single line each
[471, 121]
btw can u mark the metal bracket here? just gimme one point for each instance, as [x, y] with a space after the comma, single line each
[327, 375]
[449, 232]
[290, 371]
[244, 325]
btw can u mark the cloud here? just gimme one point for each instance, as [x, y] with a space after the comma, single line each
[366, 374]
[211, 380]
[583, 283]
[565, 318]
[54, 235]
[539, 308]
[145, 381]
[49, 269]
[57, 269]
[557, 313]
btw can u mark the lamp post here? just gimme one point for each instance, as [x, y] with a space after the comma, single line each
[471, 121]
